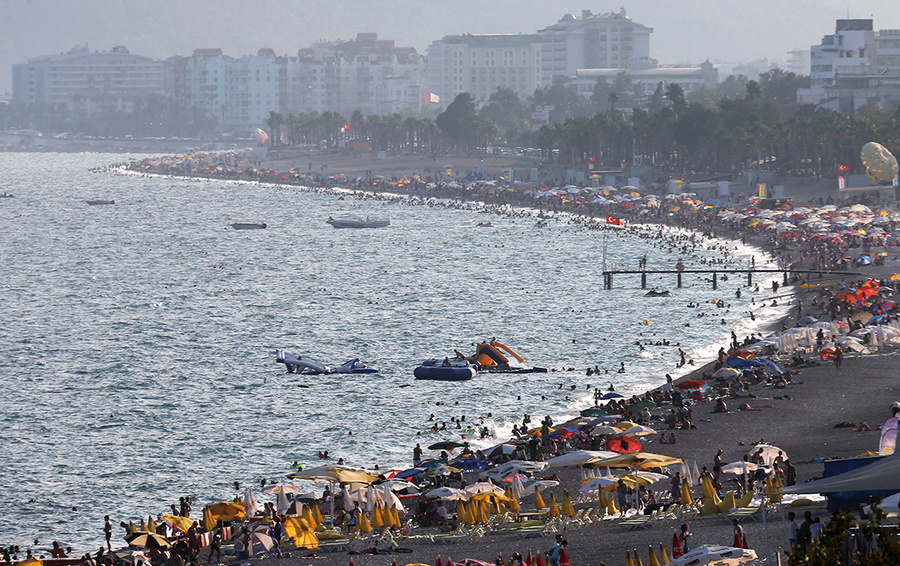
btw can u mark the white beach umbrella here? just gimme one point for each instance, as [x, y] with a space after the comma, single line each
[767, 452]
[739, 468]
[484, 487]
[542, 484]
[348, 500]
[517, 487]
[250, 506]
[638, 430]
[579, 458]
[714, 554]
[597, 483]
[449, 493]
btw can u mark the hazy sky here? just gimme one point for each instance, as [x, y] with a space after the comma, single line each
[684, 30]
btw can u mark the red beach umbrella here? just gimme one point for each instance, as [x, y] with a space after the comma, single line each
[623, 444]
[692, 384]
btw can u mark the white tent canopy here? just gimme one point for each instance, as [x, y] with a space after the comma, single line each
[881, 475]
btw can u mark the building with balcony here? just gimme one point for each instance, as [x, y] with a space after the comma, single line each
[591, 41]
[481, 64]
[87, 81]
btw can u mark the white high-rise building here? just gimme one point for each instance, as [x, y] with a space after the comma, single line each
[239, 92]
[854, 67]
[481, 64]
[83, 78]
[368, 74]
[591, 41]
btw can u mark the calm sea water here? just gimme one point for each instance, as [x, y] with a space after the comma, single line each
[137, 340]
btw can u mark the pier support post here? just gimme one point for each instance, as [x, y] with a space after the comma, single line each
[785, 279]
[643, 280]
[715, 281]
[749, 278]
[679, 280]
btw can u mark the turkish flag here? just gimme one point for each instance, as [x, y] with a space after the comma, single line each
[612, 220]
[843, 168]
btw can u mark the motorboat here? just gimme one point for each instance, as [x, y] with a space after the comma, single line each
[657, 293]
[446, 370]
[5, 194]
[96, 202]
[309, 366]
[496, 357]
[249, 225]
[358, 222]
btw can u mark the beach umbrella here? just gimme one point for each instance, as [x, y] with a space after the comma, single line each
[622, 425]
[642, 460]
[538, 500]
[770, 364]
[362, 522]
[504, 449]
[300, 533]
[148, 540]
[484, 487]
[577, 458]
[726, 372]
[691, 384]
[539, 484]
[611, 395]
[151, 525]
[642, 477]
[567, 508]
[481, 506]
[553, 512]
[637, 558]
[639, 406]
[807, 320]
[628, 560]
[448, 494]
[639, 430]
[663, 557]
[602, 482]
[605, 429]
[623, 444]
[739, 468]
[767, 452]
[180, 523]
[651, 558]
[339, 474]
[443, 470]
[686, 496]
[448, 445]
[517, 488]
[377, 517]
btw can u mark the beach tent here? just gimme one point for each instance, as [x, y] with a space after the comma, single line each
[881, 475]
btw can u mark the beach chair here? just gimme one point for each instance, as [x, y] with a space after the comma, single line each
[748, 513]
[637, 522]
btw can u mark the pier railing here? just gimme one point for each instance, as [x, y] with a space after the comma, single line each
[608, 275]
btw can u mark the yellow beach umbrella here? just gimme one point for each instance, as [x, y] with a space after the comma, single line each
[567, 509]
[180, 523]
[151, 524]
[317, 515]
[299, 532]
[511, 503]
[663, 555]
[31, 561]
[482, 512]
[637, 559]
[651, 559]
[362, 523]
[538, 500]
[131, 528]
[395, 518]
[144, 528]
[208, 522]
[628, 560]
[686, 496]
[377, 517]
[554, 510]
[308, 517]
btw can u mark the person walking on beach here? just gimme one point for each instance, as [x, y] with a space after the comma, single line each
[838, 357]
[683, 537]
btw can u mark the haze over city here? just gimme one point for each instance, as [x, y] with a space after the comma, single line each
[684, 31]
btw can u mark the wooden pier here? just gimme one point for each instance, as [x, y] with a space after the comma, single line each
[608, 275]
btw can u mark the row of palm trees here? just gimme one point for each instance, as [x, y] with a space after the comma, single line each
[728, 135]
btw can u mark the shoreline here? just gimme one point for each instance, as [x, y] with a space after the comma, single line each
[796, 292]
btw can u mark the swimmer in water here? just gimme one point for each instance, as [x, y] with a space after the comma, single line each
[622, 368]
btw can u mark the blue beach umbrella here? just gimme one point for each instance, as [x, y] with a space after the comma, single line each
[770, 364]
[863, 260]
[612, 395]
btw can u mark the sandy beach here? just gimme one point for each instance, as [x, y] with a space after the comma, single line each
[799, 418]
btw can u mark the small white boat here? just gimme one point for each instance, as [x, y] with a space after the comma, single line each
[358, 222]
[249, 225]
[96, 202]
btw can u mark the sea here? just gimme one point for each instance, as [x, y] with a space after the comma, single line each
[138, 339]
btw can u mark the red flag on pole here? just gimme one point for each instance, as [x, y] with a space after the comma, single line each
[613, 221]
[843, 168]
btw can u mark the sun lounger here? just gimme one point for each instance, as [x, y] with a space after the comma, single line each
[745, 513]
[637, 522]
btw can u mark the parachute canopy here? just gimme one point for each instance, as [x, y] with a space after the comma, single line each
[881, 165]
[262, 138]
